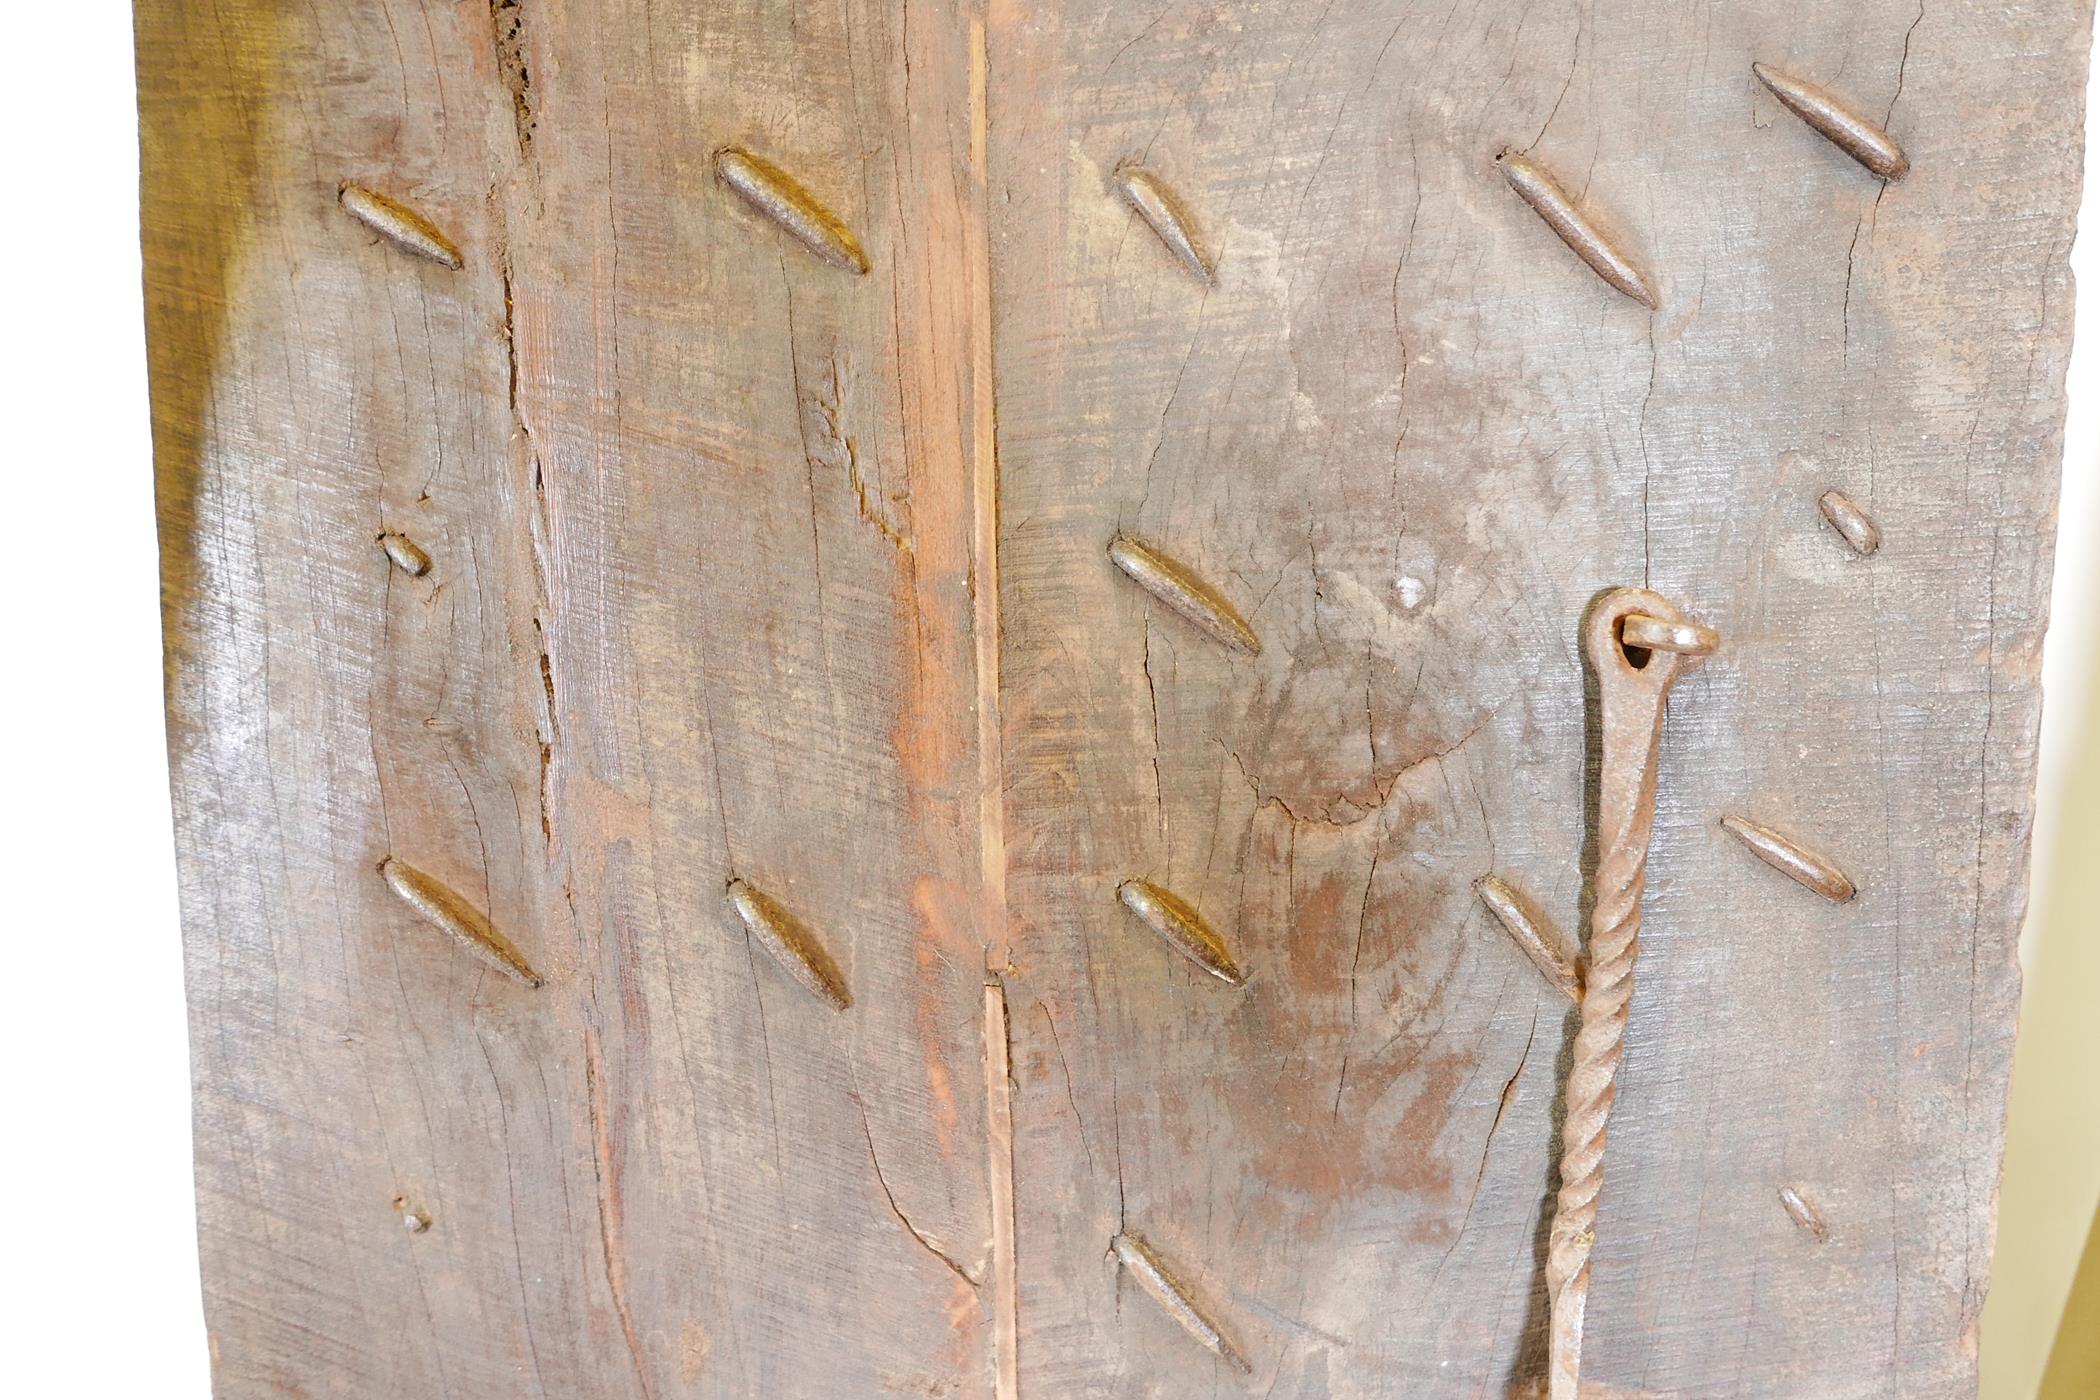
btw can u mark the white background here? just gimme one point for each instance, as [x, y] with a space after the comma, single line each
[100, 1250]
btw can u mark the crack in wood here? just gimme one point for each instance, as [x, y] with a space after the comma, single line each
[507, 31]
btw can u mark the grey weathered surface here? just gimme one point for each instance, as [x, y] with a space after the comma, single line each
[725, 584]
[1402, 374]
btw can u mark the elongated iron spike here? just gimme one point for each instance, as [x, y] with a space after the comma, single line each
[1177, 585]
[1176, 920]
[780, 197]
[399, 225]
[789, 944]
[1837, 121]
[1791, 859]
[444, 910]
[1803, 1212]
[1145, 1265]
[1529, 934]
[1854, 524]
[1162, 210]
[408, 556]
[1576, 228]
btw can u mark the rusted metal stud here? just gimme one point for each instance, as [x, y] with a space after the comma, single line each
[1575, 227]
[447, 912]
[1159, 207]
[1177, 585]
[1529, 932]
[416, 1221]
[791, 945]
[1784, 855]
[1837, 121]
[777, 195]
[399, 225]
[1803, 1212]
[1137, 1256]
[1849, 520]
[408, 556]
[1681, 636]
[1176, 920]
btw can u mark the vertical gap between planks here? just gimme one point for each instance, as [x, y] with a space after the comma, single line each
[984, 463]
[991, 796]
[999, 1151]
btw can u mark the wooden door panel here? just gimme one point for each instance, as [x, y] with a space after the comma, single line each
[745, 566]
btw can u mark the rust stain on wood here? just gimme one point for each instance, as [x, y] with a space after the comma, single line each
[777, 195]
[399, 225]
[1529, 933]
[1575, 226]
[1842, 124]
[1791, 859]
[1164, 212]
[1845, 516]
[1181, 589]
[1145, 1265]
[791, 945]
[444, 910]
[1176, 920]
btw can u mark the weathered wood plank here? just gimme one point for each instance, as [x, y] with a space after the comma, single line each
[701, 521]
[1410, 436]
[758, 528]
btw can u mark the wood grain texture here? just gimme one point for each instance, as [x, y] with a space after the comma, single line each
[701, 512]
[728, 582]
[1417, 435]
